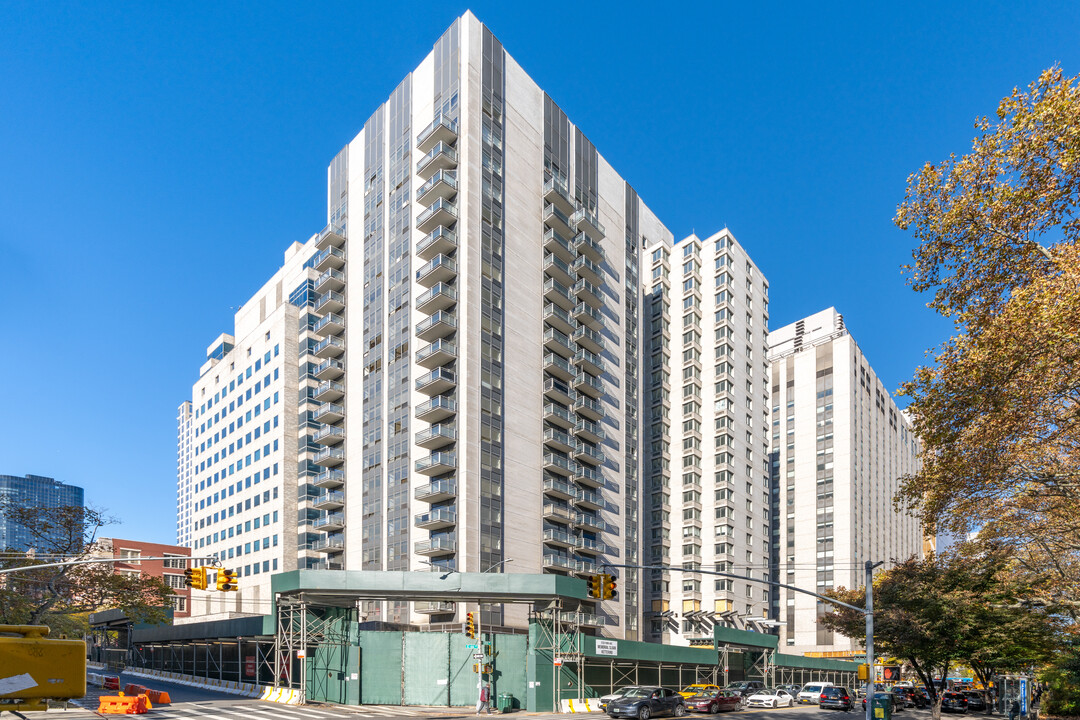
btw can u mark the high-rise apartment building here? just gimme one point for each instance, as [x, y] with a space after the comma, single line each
[448, 376]
[32, 490]
[838, 439]
[707, 473]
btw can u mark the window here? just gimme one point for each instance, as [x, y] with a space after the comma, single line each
[175, 562]
[176, 582]
[131, 556]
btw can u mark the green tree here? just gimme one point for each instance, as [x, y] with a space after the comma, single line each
[62, 597]
[996, 410]
[941, 610]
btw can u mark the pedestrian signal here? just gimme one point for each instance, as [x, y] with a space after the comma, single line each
[610, 590]
[226, 580]
[195, 578]
[596, 586]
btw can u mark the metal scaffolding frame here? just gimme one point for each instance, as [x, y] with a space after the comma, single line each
[300, 632]
[559, 635]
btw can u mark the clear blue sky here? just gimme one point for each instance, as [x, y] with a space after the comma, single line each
[156, 159]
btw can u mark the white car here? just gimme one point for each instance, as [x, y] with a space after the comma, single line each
[771, 697]
[811, 692]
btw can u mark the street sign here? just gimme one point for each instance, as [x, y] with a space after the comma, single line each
[607, 647]
[472, 647]
[557, 661]
[478, 656]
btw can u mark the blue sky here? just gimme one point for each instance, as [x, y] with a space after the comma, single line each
[156, 160]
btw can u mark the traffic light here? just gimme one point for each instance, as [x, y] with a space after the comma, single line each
[596, 586]
[42, 668]
[470, 626]
[195, 578]
[864, 672]
[226, 580]
[609, 589]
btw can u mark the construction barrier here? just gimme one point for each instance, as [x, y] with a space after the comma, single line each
[111, 682]
[132, 689]
[122, 705]
[159, 697]
[580, 706]
[263, 692]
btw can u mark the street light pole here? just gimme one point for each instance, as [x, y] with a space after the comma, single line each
[869, 565]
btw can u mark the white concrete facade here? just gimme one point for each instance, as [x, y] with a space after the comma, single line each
[840, 447]
[707, 446]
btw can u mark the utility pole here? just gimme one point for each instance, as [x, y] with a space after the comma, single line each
[870, 638]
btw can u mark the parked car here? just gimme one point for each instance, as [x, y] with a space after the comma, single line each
[645, 701]
[954, 702]
[697, 689]
[811, 692]
[605, 699]
[771, 697]
[715, 702]
[908, 695]
[897, 702]
[835, 697]
[792, 689]
[746, 688]
[976, 700]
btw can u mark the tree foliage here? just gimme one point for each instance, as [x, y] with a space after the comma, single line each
[940, 610]
[61, 597]
[997, 409]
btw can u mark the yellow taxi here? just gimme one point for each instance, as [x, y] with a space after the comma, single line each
[699, 689]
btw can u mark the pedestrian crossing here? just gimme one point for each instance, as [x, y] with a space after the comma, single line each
[256, 710]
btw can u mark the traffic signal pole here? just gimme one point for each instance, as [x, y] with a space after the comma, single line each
[870, 638]
[38, 566]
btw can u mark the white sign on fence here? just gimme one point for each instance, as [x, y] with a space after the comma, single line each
[607, 647]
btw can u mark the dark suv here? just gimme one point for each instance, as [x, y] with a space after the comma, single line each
[746, 688]
[835, 698]
[646, 701]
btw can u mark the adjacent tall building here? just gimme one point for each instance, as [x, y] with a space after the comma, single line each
[840, 441]
[33, 490]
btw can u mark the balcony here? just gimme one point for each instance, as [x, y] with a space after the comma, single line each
[332, 500]
[586, 269]
[560, 538]
[589, 293]
[441, 186]
[329, 545]
[559, 342]
[441, 213]
[589, 476]
[559, 562]
[560, 464]
[558, 415]
[589, 430]
[559, 367]
[331, 258]
[557, 193]
[591, 249]
[330, 280]
[435, 354]
[559, 440]
[589, 339]
[583, 618]
[556, 268]
[329, 479]
[331, 236]
[589, 361]
[329, 347]
[330, 370]
[587, 453]
[327, 565]
[329, 324]
[440, 268]
[586, 567]
[561, 513]
[434, 607]
[556, 244]
[439, 240]
[436, 546]
[590, 522]
[556, 292]
[436, 409]
[559, 318]
[555, 487]
[436, 436]
[559, 391]
[589, 407]
[436, 518]
[588, 315]
[440, 297]
[441, 130]
[586, 383]
[330, 302]
[586, 221]
[330, 457]
[440, 157]
[330, 435]
[589, 500]
[437, 491]
[330, 413]
[439, 325]
[436, 463]
[331, 522]
[329, 391]
[436, 382]
[594, 546]
[556, 218]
